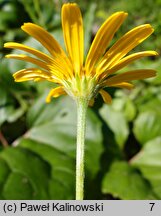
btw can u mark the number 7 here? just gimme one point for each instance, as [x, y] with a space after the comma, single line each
[152, 205]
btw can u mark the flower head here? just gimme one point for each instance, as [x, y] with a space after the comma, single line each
[68, 70]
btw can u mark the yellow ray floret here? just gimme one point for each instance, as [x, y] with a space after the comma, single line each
[56, 92]
[129, 59]
[28, 59]
[106, 96]
[31, 74]
[73, 34]
[130, 40]
[129, 76]
[125, 85]
[28, 49]
[44, 38]
[103, 38]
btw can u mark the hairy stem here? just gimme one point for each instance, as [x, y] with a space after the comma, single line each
[82, 105]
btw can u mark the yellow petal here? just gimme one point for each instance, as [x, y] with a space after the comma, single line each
[56, 67]
[28, 49]
[73, 34]
[103, 38]
[43, 37]
[130, 40]
[130, 75]
[28, 59]
[125, 85]
[59, 69]
[56, 92]
[129, 59]
[47, 41]
[39, 79]
[106, 97]
[31, 74]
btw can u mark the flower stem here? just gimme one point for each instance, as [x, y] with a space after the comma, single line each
[82, 105]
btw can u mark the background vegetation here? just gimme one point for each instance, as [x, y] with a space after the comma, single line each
[37, 140]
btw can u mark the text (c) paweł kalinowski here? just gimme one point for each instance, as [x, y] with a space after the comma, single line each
[61, 207]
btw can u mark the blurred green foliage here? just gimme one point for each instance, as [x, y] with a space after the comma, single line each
[123, 142]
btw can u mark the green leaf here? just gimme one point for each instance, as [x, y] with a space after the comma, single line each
[12, 105]
[124, 182]
[4, 172]
[62, 181]
[147, 126]
[116, 122]
[6, 79]
[55, 124]
[29, 166]
[148, 160]
[41, 113]
[129, 110]
[124, 104]
[18, 186]
[153, 103]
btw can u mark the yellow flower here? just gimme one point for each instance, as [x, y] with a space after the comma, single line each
[73, 76]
